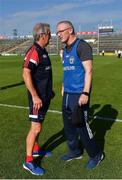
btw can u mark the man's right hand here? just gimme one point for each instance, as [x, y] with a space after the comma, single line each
[37, 103]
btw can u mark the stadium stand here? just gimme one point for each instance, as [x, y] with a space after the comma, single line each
[7, 44]
[20, 46]
[110, 42]
[14, 46]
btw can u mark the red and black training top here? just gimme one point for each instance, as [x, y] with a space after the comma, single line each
[38, 61]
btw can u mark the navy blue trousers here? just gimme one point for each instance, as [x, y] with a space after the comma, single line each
[73, 133]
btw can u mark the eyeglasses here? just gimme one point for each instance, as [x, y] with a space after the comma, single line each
[61, 31]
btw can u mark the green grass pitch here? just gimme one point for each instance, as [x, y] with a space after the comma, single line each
[106, 101]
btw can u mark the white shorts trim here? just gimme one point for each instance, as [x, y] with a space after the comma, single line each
[33, 116]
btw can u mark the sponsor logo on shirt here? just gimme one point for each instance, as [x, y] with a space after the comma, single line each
[69, 68]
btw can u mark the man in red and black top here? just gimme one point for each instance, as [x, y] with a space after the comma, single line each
[37, 74]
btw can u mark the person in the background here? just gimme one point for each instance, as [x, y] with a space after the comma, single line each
[37, 75]
[77, 80]
[103, 52]
[119, 53]
[115, 53]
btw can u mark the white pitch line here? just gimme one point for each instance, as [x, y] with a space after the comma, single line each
[59, 112]
[14, 106]
[23, 107]
[108, 119]
[55, 111]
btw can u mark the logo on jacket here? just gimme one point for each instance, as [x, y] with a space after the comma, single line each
[44, 56]
[71, 60]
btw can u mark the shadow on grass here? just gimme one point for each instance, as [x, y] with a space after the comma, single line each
[98, 126]
[12, 85]
[101, 126]
[52, 143]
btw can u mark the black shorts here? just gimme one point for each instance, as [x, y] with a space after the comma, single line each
[38, 116]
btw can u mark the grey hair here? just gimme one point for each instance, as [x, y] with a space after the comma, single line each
[40, 29]
[68, 23]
